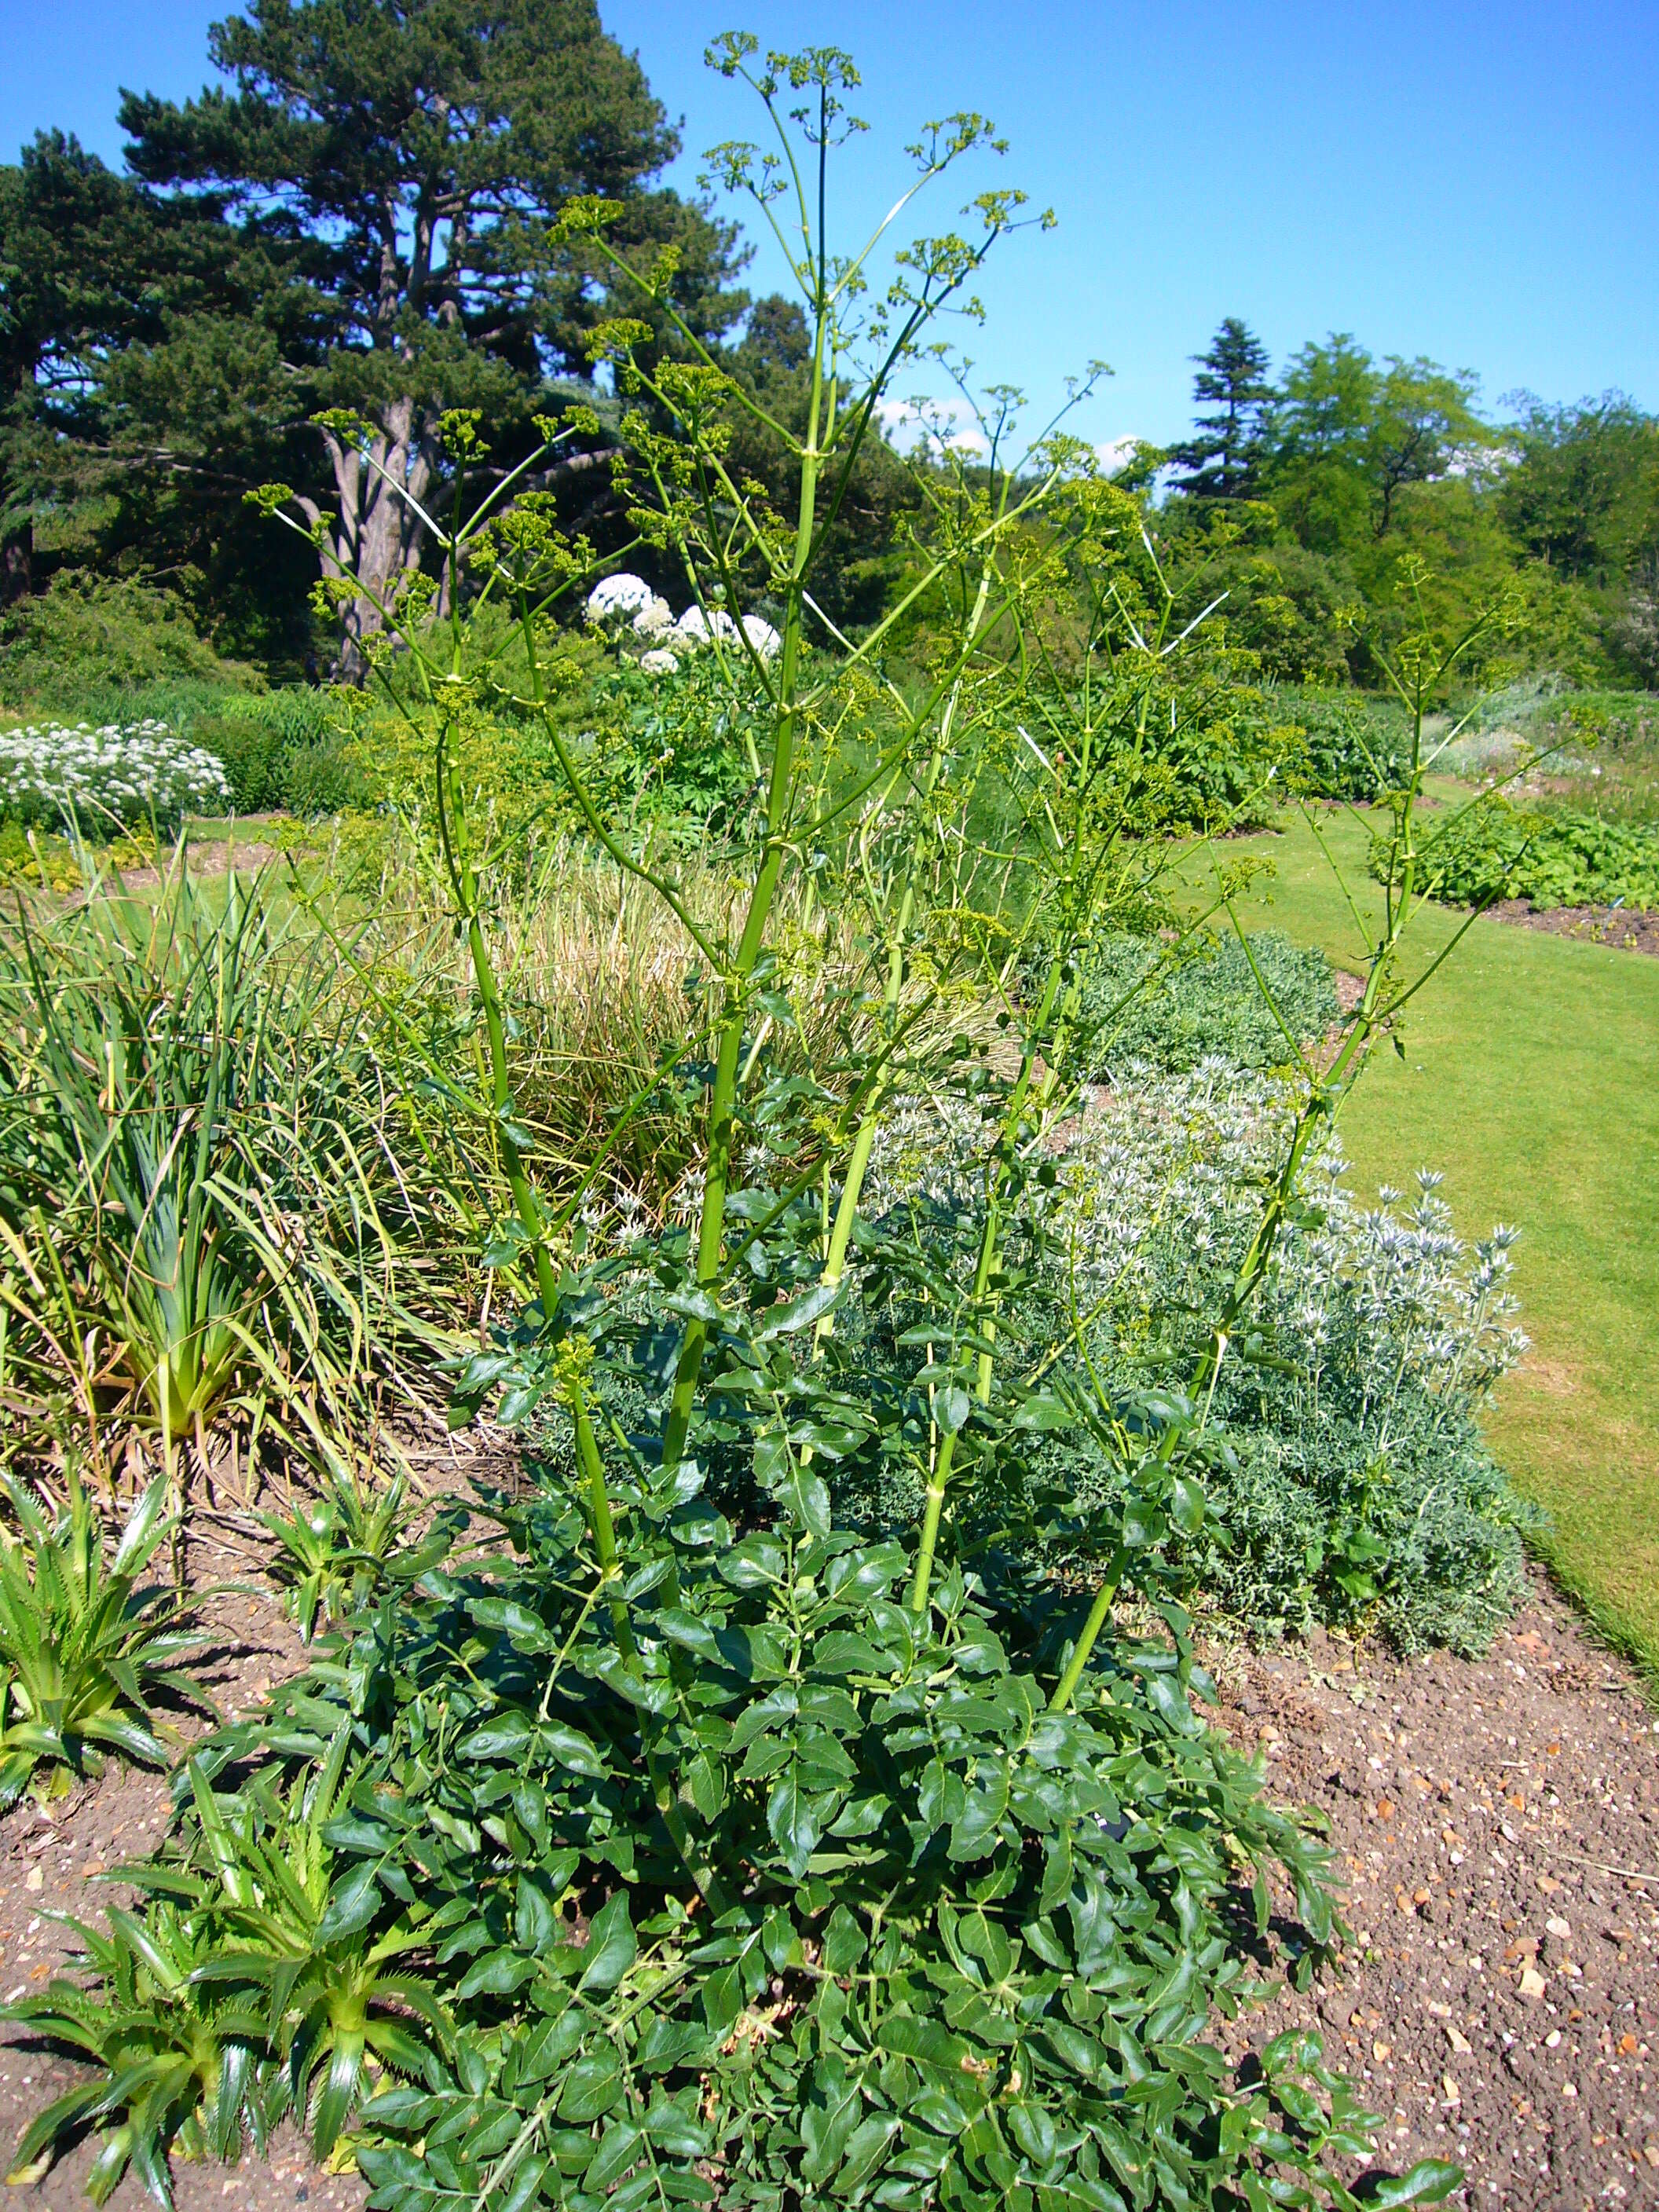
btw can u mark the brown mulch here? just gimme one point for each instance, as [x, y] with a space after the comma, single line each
[1496, 1823]
[1630, 929]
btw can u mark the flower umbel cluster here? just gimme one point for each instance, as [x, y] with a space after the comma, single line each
[98, 778]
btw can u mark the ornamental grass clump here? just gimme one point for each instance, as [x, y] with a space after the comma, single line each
[701, 1845]
[113, 778]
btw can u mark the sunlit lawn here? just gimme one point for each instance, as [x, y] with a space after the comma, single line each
[1530, 1077]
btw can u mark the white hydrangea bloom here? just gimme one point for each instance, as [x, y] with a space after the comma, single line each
[621, 594]
[653, 617]
[762, 636]
[660, 661]
[694, 627]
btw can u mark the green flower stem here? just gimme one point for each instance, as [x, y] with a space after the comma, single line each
[723, 1097]
[604, 1543]
[841, 1236]
[990, 1247]
[453, 834]
[1066, 1689]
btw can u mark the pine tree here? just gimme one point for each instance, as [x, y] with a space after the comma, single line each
[417, 150]
[1224, 460]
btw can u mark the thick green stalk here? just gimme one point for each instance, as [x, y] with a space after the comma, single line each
[863, 1143]
[451, 830]
[604, 1544]
[990, 1245]
[723, 1098]
[1065, 1688]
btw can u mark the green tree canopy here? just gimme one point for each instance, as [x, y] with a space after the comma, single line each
[1224, 459]
[413, 154]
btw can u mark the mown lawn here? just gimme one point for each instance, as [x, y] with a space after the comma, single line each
[1530, 1077]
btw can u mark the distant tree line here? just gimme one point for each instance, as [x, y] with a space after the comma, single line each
[1305, 490]
[354, 223]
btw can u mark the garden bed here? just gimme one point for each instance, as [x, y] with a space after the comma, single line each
[1535, 1767]
[1632, 929]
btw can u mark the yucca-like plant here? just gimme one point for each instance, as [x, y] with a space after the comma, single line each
[176, 2060]
[338, 1550]
[85, 1647]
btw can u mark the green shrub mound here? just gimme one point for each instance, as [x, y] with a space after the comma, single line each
[96, 648]
[1316, 1526]
[1497, 851]
[1140, 1002]
[288, 751]
[1354, 746]
[738, 1882]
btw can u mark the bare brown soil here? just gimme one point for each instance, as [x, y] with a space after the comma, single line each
[1496, 1824]
[1631, 929]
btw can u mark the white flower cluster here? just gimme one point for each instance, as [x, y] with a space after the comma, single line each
[628, 602]
[52, 774]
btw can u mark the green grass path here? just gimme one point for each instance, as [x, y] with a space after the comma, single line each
[1531, 1078]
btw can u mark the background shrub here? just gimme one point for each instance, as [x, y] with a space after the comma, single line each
[1203, 1004]
[85, 645]
[1355, 744]
[1567, 858]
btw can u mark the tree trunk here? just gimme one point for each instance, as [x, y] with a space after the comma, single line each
[379, 535]
[17, 564]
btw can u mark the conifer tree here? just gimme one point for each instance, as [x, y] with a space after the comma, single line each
[1224, 460]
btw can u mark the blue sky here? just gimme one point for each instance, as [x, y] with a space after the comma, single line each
[1476, 183]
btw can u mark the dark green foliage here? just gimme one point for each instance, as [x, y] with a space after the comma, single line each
[1224, 460]
[103, 650]
[961, 1945]
[467, 124]
[1204, 1001]
[290, 751]
[1355, 746]
[1497, 851]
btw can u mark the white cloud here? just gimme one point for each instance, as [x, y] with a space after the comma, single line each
[1115, 453]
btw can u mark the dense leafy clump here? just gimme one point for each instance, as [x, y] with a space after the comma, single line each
[1497, 851]
[1354, 746]
[85, 1645]
[107, 779]
[288, 749]
[1255, 1004]
[1355, 1488]
[1346, 1478]
[748, 1884]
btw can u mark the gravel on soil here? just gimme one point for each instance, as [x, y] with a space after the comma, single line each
[1495, 1822]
